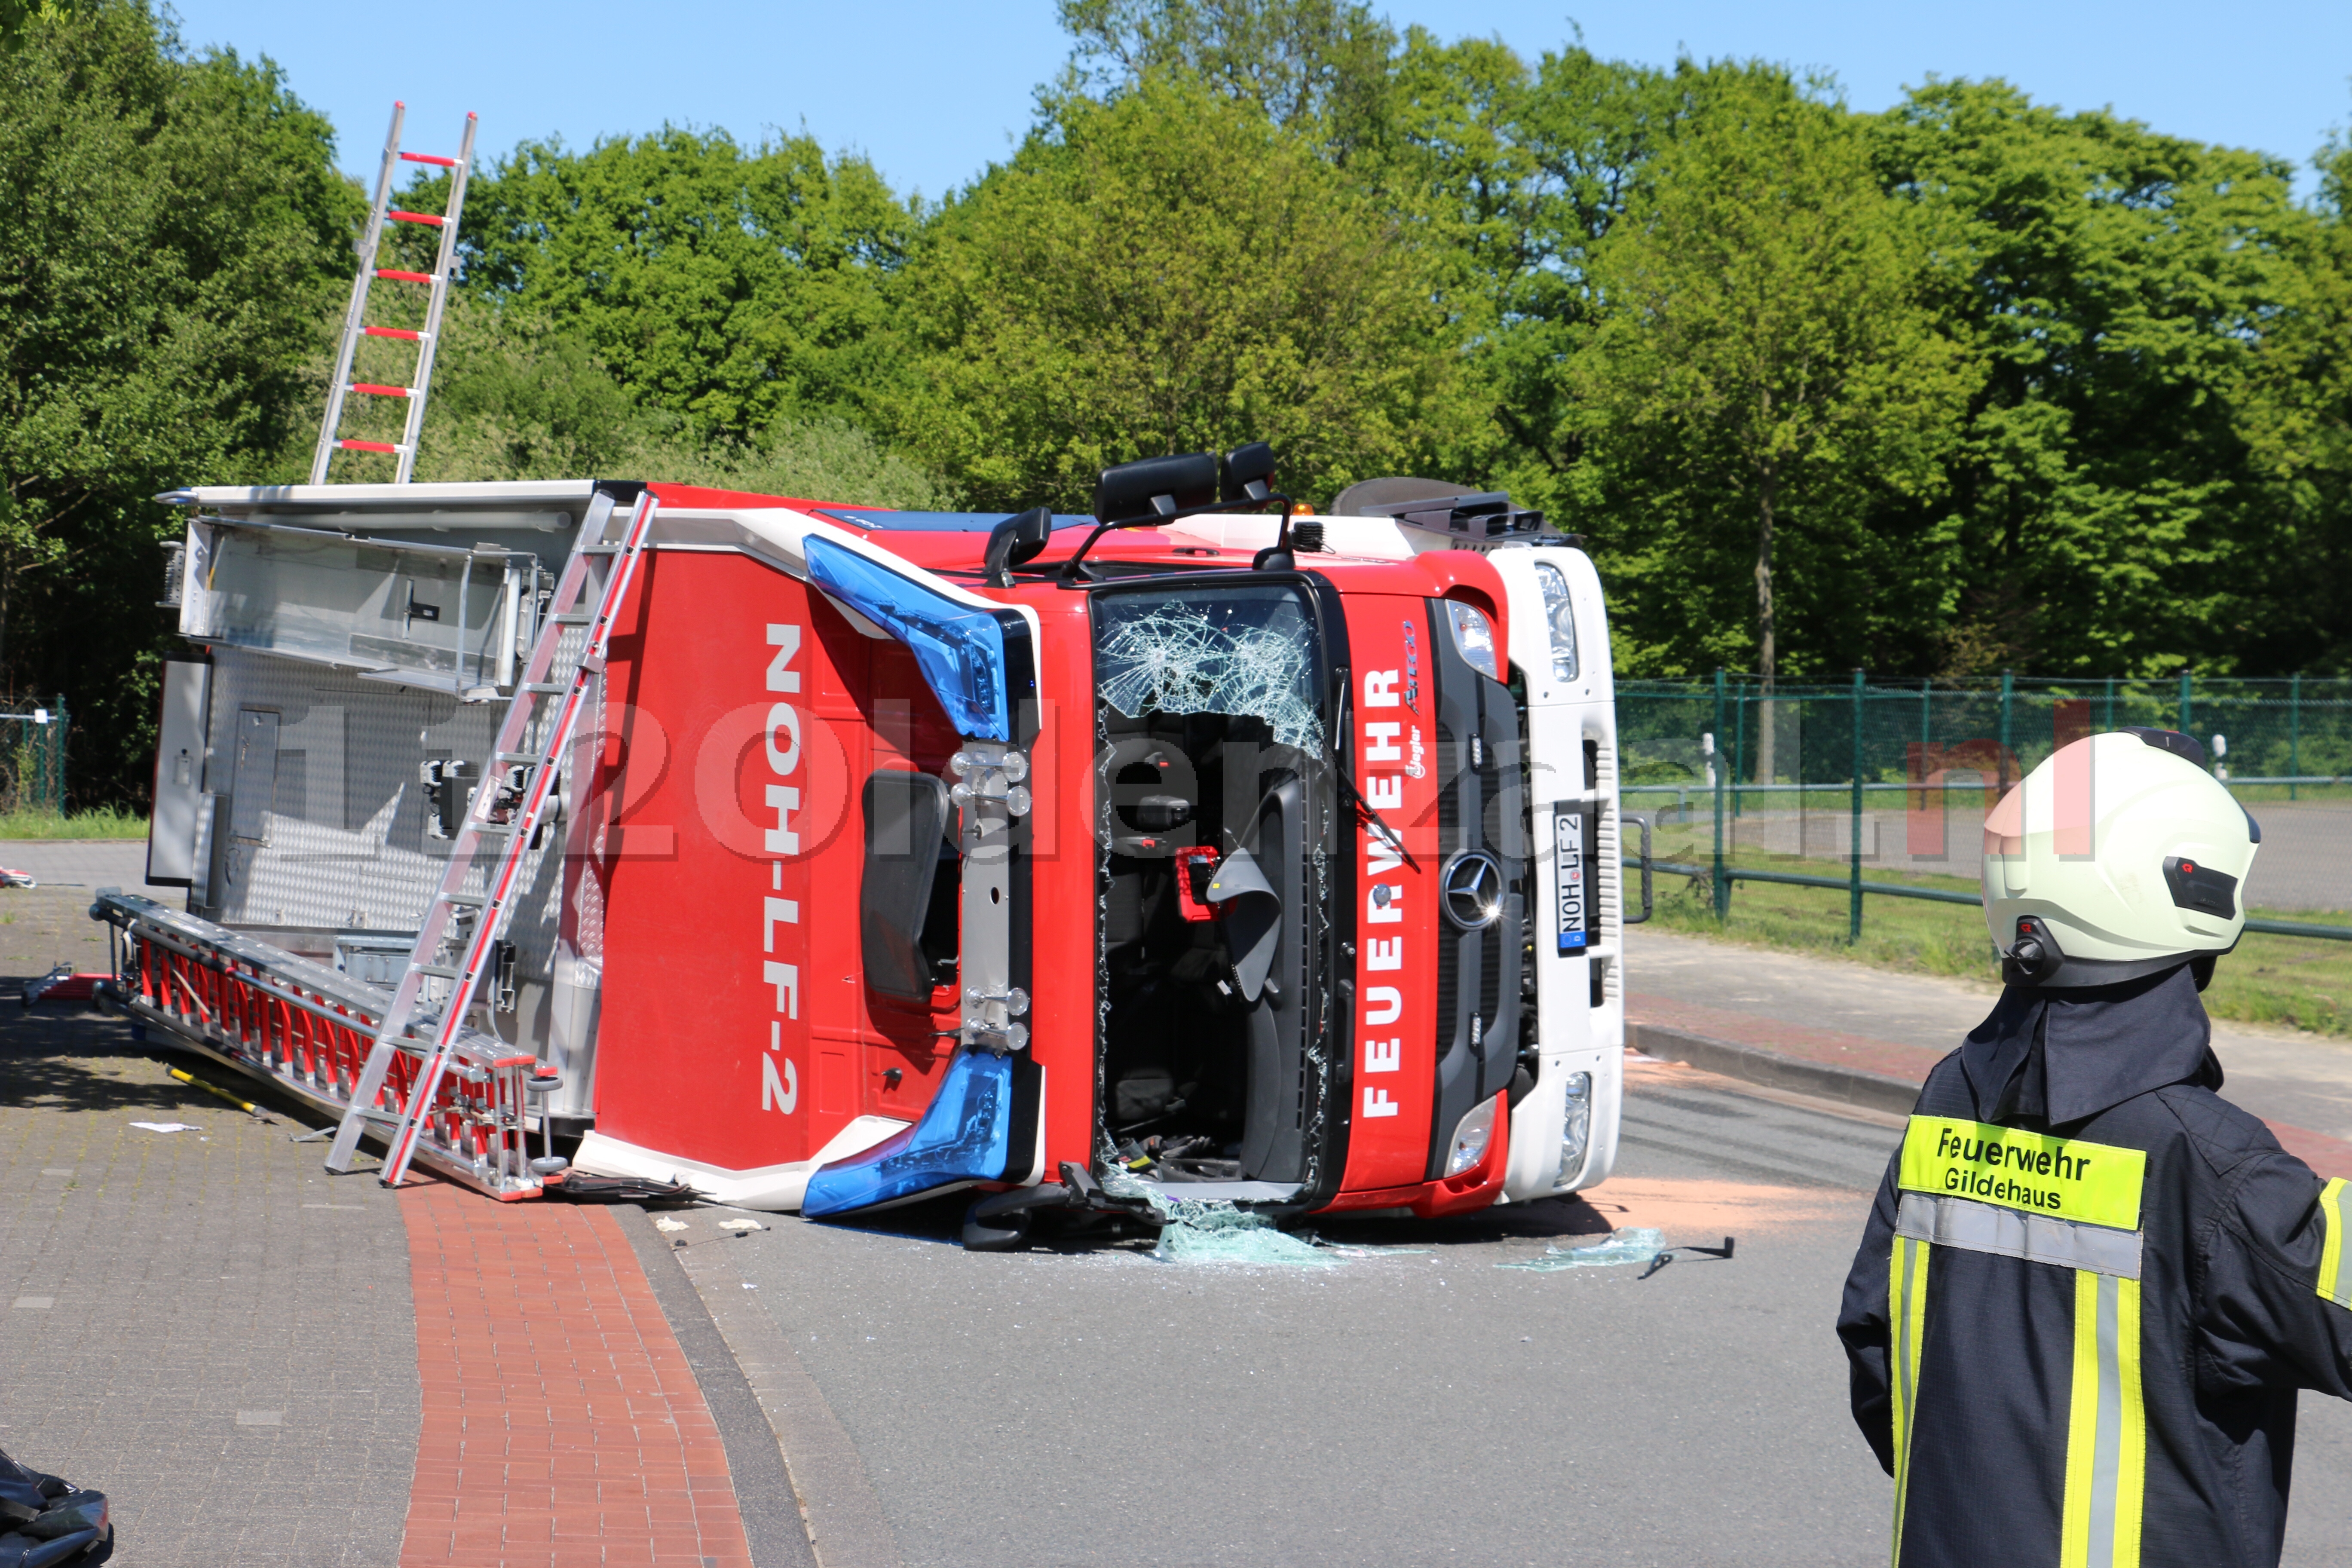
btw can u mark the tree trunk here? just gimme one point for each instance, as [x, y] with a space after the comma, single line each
[1765, 651]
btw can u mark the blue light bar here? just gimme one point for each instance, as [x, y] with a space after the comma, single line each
[964, 1136]
[960, 650]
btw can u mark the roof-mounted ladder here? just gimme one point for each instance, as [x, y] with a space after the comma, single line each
[468, 911]
[355, 325]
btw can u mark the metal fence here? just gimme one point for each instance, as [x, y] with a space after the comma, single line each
[33, 760]
[1883, 789]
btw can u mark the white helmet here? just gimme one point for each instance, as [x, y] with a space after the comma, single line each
[2118, 857]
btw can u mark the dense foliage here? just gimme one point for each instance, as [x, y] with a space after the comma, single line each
[1968, 385]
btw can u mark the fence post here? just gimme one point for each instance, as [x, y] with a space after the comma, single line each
[58, 756]
[1853, 878]
[2294, 732]
[1739, 743]
[1721, 888]
[2111, 703]
[2007, 691]
[2186, 717]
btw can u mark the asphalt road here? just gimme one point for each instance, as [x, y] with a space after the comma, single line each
[1103, 1407]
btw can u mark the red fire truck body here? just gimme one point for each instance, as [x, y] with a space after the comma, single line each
[883, 869]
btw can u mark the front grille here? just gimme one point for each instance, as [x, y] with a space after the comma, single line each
[1449, 839]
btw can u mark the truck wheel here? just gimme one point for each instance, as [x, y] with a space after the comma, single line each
[996, 1233]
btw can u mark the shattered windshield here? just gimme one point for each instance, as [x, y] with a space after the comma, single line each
[1249, 651]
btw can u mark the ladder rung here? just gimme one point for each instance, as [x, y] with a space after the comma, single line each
[545, 687]
[573, 617]
[399, 276]
[440, 971]
[372, 446]
[399, 216]
[377, 389]
[531, 758]
[600, 549]
[402, 334]
[502, 829]
[475, 901]
[430, 158]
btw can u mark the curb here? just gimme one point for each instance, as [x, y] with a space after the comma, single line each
[1823, 1080]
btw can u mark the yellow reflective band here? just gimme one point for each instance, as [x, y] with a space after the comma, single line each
[1907, 1317]
[2107, 1429]
[2066, 1178]
[2331, 1252]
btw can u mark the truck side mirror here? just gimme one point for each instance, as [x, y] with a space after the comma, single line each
[1156, 485]
[1014, 540]
[1249, 473]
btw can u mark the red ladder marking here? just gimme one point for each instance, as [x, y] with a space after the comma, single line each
[430, 157]
[401, 332]
[378, 390]
[404, 277]
[367, 446]
[399, 216]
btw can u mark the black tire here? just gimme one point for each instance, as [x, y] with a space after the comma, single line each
[998, 1233]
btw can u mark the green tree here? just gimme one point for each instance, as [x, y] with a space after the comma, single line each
[515, 398]
[731, 288]
[1763, 371]
[1317, 68]
[172, 234]
[2120, 289]
[1168, 272]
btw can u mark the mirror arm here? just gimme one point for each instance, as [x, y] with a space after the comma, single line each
[1071, 577]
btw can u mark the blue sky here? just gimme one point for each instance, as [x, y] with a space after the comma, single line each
[933, 91]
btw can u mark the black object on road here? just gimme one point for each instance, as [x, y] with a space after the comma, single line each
[44, 1521]
[1666, 1256]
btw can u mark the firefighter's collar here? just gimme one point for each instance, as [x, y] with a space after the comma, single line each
[2061, 1055]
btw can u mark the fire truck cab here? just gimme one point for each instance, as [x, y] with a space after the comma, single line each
[1199, 848]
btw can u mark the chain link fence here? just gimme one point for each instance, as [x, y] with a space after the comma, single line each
[1883, 789]
[33, 761]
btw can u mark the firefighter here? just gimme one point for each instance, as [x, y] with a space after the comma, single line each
[2090, 1288]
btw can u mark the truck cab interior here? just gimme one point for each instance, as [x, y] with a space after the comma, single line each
[1212, 832]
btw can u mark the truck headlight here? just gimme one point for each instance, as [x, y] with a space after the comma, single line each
[1474, 638]
[1575, 1127]
[1559, 616]
[1471, 1135]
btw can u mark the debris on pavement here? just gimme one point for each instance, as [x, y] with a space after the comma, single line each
[245, 1105]
[1634, 1244]
[167, 1126]
[64, 984]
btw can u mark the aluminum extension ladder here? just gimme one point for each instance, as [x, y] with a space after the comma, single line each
[355, 325]
[509, 801]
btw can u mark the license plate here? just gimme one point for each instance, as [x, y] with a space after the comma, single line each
[1568, 858]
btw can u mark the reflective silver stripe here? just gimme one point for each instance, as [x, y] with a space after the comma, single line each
[2106, 1447]
[1973, 1226]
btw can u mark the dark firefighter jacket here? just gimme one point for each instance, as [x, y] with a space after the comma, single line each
[2087, 1294]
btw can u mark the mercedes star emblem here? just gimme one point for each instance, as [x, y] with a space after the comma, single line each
[1472, 887]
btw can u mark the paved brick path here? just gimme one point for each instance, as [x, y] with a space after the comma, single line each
[203, 1324]
[563, 1426]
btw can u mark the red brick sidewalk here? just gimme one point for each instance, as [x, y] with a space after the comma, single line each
[562, 1425]
[1830, 1047]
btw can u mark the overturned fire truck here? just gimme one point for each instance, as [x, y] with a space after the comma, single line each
[823, 857]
